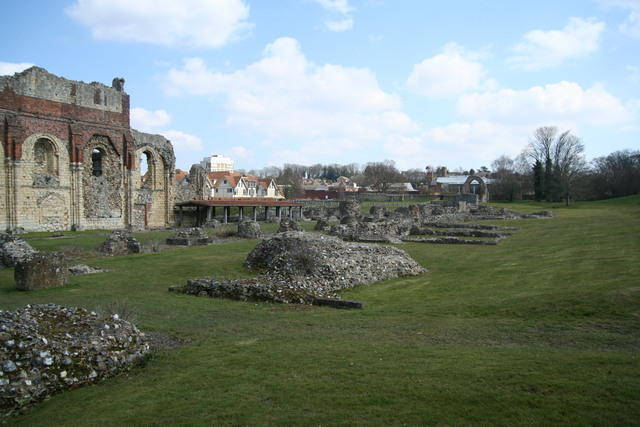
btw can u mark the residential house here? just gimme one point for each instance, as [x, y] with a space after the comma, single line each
[228, 185]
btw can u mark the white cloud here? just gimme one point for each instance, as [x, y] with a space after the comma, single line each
[339, 26]
[631, 25]
[9, 68]
[194, 23]
[147, 121]
[448, 73]
[240, 151]
[183, 142]
[544, 49]
[340, 6]
[546, 104]
[286, 99]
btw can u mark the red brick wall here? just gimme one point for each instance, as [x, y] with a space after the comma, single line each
[24, 116]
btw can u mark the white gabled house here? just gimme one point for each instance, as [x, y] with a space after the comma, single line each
[230, 185]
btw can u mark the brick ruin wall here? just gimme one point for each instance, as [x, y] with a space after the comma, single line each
[51, 130]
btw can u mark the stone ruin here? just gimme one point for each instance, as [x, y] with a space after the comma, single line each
[249, 229]
[71, 154]
[82, 269]
[13, 250]
[41, 271]
[189, 237]
[289, 225]
[307, 268]
[45, 349]
[426, 223]
[322, 225]
[120, 243]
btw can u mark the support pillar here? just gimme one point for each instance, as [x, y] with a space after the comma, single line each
[279, 213]
[290, 213]
[255, 216]
[241, 213]
[209, 213]
[226, 214]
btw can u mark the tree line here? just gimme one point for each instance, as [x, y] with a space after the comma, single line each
[552, 167]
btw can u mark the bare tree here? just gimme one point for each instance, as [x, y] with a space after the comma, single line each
[507, 185]
[616, 175]
[562, 157]
[381, 174]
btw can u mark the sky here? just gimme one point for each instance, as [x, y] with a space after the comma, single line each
[266, 82]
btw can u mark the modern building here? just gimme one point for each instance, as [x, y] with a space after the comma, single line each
[217, 163]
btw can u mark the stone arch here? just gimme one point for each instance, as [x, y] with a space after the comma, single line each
[103, 188]
[46, 155]
[147, 167]
[483, 191]
[28, 147]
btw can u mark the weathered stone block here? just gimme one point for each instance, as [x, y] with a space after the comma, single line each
[289, 225]
[189, 237]
[14, 250]
[120, 243]
[249, 229]
[41, 271]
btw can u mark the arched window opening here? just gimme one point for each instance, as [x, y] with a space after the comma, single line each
[44, 156]
[96, 161]
[146, 169]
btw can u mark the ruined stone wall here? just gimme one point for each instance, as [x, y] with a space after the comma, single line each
[154, 196]
[3, 182]
[37, 82]
[103, 187]
[49, 129]
[43, 185]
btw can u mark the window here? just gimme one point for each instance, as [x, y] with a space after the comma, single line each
[146, 169]
[96, 161]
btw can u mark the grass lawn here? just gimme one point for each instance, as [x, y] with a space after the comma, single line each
[543, 329]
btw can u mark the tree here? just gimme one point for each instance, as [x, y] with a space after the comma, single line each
[563, 159]
[415, 176]
[616, 175]
[380, 175]
[508, 185]
[292, 181]
[538, 180]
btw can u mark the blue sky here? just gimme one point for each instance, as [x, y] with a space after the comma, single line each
[454, 83]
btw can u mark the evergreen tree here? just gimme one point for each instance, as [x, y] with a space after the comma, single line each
[538, 181]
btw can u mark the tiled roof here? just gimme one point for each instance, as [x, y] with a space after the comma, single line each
[181, 175]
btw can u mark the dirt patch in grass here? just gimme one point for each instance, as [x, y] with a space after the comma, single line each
[159, 341]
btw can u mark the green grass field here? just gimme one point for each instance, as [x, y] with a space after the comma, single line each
[543, 329]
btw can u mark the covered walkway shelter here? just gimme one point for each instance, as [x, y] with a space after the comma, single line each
[206, 209]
